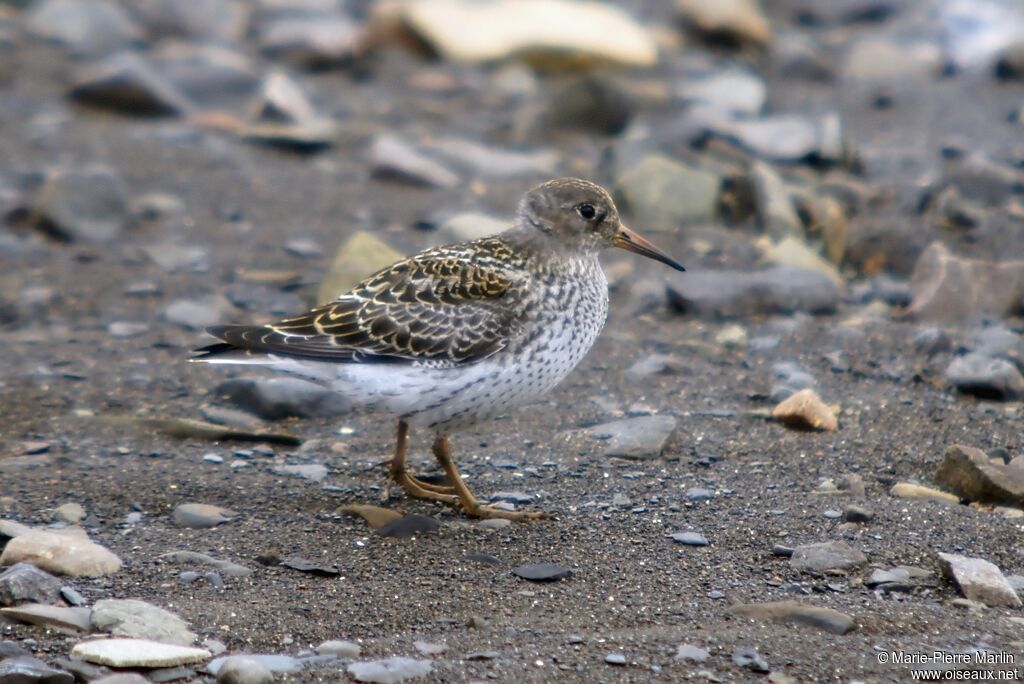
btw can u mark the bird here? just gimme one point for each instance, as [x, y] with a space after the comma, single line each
[457, 334]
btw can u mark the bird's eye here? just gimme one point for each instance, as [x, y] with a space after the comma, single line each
[587, 211]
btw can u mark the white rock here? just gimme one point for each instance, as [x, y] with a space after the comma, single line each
[489, 31]
[979, 580]
[62, 553]
[137, 653]
[140, 620]
[342, 649]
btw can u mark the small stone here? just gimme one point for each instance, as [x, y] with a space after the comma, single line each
[794, 252]
[71, 513]
[643, 437]
[137, 653]
[793, 612]
[201, 516]
[223, 21]
[495, 523]
[542, 572]
[317, 41]
[408, 526]
[390, 670]
[140, 620]
[699, 494]
[662, 193]
[342, 649]
[210, 76]
[858, 514]
[742, 294]
[827, 556]
[979, 580]
[732, 336]
[360, 255]
[25, 583]
[61, 554]
[304, 565]
[85, 27]
[490, 162]
[125, 329]
[28, 670]
[909, 490]
[615, 659]
[72, 596]
[88, 204]
[243, 670]
[195, 314]
[280, 398]
[429, 648]
[734, 91]
[394, 158]
[730, 21]
[690, 538]
[774, 204]
[590, 103]
[805, 410]
[750, 659]
[223, 566]
[128, 84]
[986, 377]
[692, 653]
[67, 620]
[314, 472]
[375, 516]
[284, 664]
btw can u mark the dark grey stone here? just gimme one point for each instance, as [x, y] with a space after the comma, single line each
[738, 294]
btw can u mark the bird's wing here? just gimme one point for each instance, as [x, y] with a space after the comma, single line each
[438, 307]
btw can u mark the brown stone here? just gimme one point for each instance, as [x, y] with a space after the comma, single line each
[973, 475]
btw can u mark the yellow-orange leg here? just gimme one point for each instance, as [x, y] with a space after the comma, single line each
[465, 497]
[413, 486]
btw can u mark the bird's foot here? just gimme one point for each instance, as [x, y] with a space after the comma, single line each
[477, 510]
[425, 490]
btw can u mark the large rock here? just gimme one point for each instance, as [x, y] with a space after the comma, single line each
[737, 294]
[23, 582]
[89, 204]
[61, 553]
[662, 193]
[979, 580]
[793, 612]
[361, 255]
[640, 438]
[947, 288]
[973, 475]
[29, 670]
[141, 620]
[548, 32]
[280, 398]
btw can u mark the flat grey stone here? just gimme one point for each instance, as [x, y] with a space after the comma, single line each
[342, 649]
[29, 670]
[979, 580]
[242, 669]
[201, 516]
[827, 556]
[642, 437]
[390, 670]
[971, 474]
[87, 204]
[985, 376]
[793, 612]
[67, 620]
[739, 294]
[23, 582]
[141, 620]
[314, 472]
[284, 664]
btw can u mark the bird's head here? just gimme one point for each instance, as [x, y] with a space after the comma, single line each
[580, 216]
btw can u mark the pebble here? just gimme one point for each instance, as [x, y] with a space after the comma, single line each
[25, 669]
[663, 193]
[72, 596]
[342, 649]
[141, 620]
[858, 514]
[986, 377]
[793, 612]
[314, 472]
[979, 580]
[284, 664]
[85, 27]
[643, 437]
[592, 103]
[750, 659]
[909, 490]
[389, 670]
[692, 653]
[408, 526]
[396, 159]
[129, 84]
[615, 659]
[732, 92]
[690, 538]
[225, 567]
[971, 474]
[316, 41]
[68, 620]
[71, 513]
[375, 516]
[201, 516]
[23, 582]
[429, 648]
[61, 554]
[495, 523]
[805, 410]
[733, 21]
[827, 556]
[699, 494]
[305, 565]
[742, 294]
[214, 21]
[137, 653]
[244, 670]
[125, 329]
[86, 204]
[542, 572]
[195, 314]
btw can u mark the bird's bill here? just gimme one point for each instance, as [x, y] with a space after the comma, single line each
[630, 241]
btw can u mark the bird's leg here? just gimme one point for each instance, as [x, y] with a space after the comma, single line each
[413, 486]
[465, 497]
